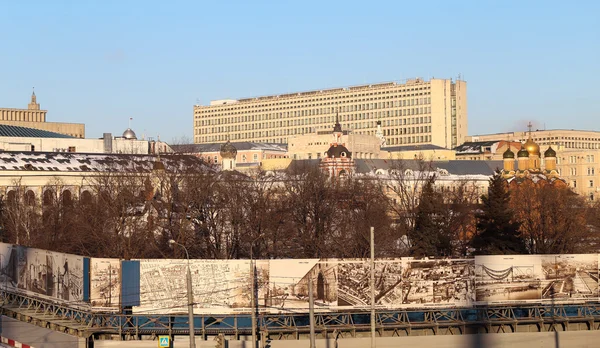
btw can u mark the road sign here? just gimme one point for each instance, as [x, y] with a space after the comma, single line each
[164, 342]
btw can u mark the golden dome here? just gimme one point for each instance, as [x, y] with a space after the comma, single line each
[532, 147]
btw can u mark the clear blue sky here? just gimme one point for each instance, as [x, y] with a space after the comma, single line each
[101, 62]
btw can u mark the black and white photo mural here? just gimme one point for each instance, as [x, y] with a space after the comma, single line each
[105, 283]
[42, 273]
[508, 278]
[568, 277]
[288, 284]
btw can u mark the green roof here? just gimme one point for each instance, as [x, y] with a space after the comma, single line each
[24, 132]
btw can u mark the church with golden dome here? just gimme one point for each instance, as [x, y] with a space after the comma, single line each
[529, 164]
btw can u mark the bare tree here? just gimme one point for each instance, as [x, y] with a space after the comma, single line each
[552, 218]
[311, 205]
[22, 215]
[405, 183]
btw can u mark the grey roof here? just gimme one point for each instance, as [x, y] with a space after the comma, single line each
[240, 146]
[80, 162]
[16, 131]
[474, 146]
[412, 148]
[454, 167]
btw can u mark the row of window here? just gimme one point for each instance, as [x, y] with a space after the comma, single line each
[573, 159]
[590, 171]
[301, 99]
[590, 184]
[354, 125]
[308, 113]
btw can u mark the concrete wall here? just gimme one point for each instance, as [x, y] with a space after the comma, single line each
[36, 336]
[572, 339]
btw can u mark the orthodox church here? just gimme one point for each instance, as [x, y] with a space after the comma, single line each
[529, 165]
[337, 161]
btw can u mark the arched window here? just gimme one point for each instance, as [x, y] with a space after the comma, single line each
[30, 198]
[86, 198]
[67, 198]
[11, 197]
[48, 197]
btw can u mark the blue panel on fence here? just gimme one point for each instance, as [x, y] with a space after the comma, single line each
[86, 279]
[130, 283]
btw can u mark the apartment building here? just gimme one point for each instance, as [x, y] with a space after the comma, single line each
[415, 112]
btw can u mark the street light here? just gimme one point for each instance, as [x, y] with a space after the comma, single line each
[252, 300]
[190, 295]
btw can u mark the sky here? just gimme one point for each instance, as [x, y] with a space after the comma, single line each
[103, 62]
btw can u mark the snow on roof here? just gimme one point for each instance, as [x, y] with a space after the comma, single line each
[79, 162]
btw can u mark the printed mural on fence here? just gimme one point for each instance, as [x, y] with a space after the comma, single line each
[282, 286]
[43, 273]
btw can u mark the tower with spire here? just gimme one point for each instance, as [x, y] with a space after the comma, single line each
[337, 161]
[33, 105]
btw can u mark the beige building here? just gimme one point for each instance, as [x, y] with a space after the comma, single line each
[577, 154]
[426, 152]
[558, 138]
[248, 155]
[411, 113]
[314, 146]
[35, 117]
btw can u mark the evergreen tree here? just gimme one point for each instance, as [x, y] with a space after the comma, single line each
[428, 237]
[497, 230]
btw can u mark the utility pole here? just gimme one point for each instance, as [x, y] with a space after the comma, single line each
[372, 287]
[252, 299]
[190, 296]
[311, 311]
[253, 288]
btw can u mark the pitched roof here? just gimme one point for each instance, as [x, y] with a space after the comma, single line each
[423, 147]
[16, 131]
[80, 162]
[454, 167]
[474, 146]
[240, 146]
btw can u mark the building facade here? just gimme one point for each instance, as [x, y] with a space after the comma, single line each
[413, 112]
[14, 138]
[35, 117]
[577, 154]
[558, 138]
[248, 155]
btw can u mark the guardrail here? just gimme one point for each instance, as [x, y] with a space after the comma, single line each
[433, 321]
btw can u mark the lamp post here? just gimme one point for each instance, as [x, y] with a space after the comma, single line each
[372, 287]
[190, 295]
[252, 288]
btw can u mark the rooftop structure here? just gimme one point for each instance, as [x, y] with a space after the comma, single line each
[35, 117]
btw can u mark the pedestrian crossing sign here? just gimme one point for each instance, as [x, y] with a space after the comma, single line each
[164, 342]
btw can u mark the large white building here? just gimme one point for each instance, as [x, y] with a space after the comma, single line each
[14, 138]
[415, 112]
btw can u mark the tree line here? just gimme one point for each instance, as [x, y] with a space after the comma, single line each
[299, 213]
